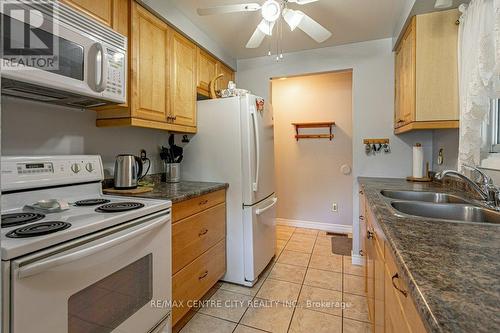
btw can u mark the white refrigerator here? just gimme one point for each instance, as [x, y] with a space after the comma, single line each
[235, 144]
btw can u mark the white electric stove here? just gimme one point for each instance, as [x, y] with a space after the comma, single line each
[71, 254]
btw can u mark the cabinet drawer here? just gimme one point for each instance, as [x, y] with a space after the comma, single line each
[411, 315]
[183, 209]
[196, 234]
[194, 280]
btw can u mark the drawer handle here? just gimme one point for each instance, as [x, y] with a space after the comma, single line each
[361, 253]
[361, 217]
[404, 292]
[369, 234]
[203, 232]
[202, 276]
[204, 202]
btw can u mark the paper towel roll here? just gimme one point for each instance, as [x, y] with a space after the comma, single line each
[418, 161]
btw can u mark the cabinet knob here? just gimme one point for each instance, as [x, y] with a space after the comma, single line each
[361, 253]
[361, 217]
[369, 234]
[404, 292]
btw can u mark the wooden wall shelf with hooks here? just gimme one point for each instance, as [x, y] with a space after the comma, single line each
[328, 125]
[375, 141]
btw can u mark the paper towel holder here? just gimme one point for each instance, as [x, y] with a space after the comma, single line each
[425, 179]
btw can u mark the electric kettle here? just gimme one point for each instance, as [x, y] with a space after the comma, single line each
[128, 171]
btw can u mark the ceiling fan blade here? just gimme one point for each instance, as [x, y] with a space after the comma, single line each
[264, 28]
[245, 7]
[303, 2]
[256, 39]
[315, 30]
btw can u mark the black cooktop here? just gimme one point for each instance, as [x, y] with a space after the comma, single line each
[119, 207]
[15, 219]
[38, 229]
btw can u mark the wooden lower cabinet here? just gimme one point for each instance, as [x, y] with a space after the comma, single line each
[398, 289]
[194, 235]
[196, 279]
[390, 307]
[186, 208]
[198, 249]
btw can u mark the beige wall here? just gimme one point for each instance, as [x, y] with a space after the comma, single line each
[308, 177]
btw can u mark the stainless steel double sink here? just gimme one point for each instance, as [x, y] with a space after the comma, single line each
[440, 206]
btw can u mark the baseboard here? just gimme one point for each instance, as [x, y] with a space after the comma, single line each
[357, 259]
[336, 228]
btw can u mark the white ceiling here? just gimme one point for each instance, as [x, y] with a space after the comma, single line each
[350, 21]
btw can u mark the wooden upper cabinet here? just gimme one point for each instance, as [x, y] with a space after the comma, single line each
[405, 77]
[228, 76]
[113, 13]
[207, 69]
[149, 66]
[183, 80]
[426, 73]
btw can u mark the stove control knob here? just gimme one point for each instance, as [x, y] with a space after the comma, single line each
[89, 167]
[75, 167]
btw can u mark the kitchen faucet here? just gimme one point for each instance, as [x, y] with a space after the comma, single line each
[490, 194]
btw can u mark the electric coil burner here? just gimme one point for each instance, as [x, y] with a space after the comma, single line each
[38, 229]
[15, 219]
[119, 207]
[91, 202]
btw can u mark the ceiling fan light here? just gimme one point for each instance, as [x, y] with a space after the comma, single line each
[442, 4]
[266, 27]
[292, 18]
[271, 10]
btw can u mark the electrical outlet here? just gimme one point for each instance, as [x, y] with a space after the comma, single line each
[335, 207]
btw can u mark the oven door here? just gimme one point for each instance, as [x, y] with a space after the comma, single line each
[108, 282]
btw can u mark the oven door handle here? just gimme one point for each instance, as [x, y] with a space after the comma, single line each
[43, 265]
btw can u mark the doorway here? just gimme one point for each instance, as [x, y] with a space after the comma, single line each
[313, 182]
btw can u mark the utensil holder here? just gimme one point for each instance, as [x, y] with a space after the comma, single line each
[172, 172]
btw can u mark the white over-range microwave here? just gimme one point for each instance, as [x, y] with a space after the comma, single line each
[54, 54]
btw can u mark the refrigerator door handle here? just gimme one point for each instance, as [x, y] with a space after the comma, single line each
[255, 184]
[259, 211]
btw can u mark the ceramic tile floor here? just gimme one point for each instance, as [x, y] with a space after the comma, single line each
[304, 289]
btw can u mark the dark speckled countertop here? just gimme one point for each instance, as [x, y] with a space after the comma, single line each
[181, 191]
[451, 268]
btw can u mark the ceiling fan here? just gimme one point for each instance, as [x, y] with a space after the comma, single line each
[272, 11]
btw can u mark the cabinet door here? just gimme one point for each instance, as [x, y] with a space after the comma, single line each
[183, 80]
[149, 65]
[370, 272]
[101, 10]
[379, 297]
[437, 70]
[228, 76]
[405, 77]
[362, 231]
[207, 67]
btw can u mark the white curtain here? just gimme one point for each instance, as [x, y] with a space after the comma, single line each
[479, 72]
